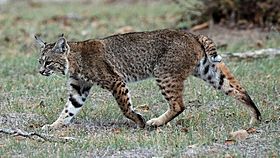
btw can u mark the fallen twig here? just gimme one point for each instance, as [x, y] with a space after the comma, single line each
[35, 136]
[261, 53]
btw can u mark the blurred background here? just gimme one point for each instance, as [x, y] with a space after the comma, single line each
[246, 24]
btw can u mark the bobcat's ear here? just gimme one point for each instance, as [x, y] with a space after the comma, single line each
[61, 46]
[40, 42]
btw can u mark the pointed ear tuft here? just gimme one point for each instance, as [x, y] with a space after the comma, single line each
[61, 46]
[40, 42]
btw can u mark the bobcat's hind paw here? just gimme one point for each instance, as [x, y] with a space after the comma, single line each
[156, 122]
[255, 121]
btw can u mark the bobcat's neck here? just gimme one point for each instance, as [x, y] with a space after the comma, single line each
[73, 59]
[82, 54]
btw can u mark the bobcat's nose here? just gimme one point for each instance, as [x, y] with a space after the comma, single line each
[42, 71]
[45, 72]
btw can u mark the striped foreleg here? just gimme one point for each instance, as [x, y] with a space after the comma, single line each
[78, 92]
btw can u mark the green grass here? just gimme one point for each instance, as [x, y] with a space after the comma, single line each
[100, 129]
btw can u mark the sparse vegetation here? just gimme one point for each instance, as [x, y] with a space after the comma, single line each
[233, 13]
[28, 100]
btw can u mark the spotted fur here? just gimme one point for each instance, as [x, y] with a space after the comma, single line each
[169, 56]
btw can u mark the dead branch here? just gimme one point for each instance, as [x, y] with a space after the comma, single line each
[261, 53]
[200, 26]
[35, 136]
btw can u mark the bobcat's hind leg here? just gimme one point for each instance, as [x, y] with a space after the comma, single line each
[219, 76]
[122, 96]
[172, 90]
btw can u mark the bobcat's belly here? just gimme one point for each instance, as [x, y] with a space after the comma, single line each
[137, 74]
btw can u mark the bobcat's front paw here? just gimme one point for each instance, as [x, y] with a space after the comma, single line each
[154, 122]
[55, 125]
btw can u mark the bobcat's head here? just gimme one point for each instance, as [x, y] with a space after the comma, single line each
[53, 56]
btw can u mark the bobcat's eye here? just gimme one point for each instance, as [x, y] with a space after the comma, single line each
[48, 62]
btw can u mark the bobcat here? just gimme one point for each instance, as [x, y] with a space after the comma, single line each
[168, 55]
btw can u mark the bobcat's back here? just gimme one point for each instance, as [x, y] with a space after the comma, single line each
[136, 55]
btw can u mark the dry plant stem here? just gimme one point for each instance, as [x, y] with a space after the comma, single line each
[261, 53]
[34, 135]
